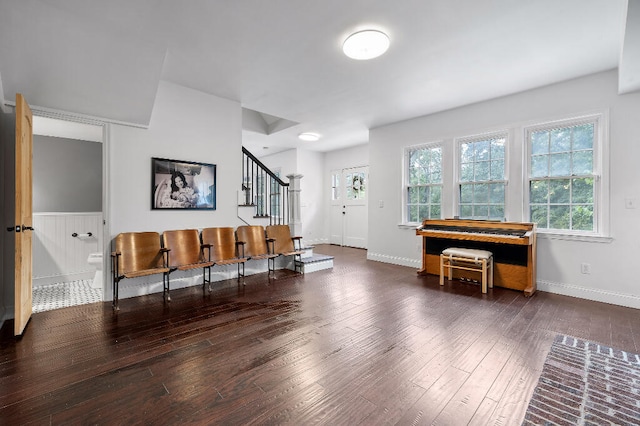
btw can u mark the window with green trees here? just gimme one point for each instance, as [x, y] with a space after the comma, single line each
[423, 188]
[562, 183]
[481, 185]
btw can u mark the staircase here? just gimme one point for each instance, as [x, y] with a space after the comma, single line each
[265, 200]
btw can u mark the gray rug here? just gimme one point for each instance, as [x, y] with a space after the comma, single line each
[585, 383]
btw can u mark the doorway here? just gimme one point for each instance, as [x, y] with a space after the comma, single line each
[68, 213]
[349, 207]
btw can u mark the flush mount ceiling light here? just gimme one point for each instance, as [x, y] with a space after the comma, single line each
[309, 137]
[366, 44]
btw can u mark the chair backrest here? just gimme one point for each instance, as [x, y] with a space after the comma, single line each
[184, 245]
[254, 238]
[223, 243]
[139, 251]
[282, 235]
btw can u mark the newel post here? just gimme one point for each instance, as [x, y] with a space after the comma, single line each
[295, 223]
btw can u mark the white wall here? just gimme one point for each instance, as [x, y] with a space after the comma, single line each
[312, 198]
[185, 125]
[309, 164]
[614, 277]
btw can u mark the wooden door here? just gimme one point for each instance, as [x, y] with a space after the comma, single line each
[23, 215]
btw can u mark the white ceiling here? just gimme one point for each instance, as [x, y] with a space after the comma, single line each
[283, 58]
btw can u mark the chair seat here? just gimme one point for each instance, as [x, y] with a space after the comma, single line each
[467, 253]
[230, 261]
[293, 253]
[263, 256]
[194, 266]
[145, 272]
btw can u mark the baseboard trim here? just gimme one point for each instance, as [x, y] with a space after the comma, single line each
[596, 295]
[65, 278]
[396, 260]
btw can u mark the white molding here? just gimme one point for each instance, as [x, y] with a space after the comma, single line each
[63, 278]
[315, 241]
[596, 295]
[396, 260]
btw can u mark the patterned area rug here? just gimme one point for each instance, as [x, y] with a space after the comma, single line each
[63, 295]
[584, 383]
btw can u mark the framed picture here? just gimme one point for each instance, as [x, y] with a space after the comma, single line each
[182, 185]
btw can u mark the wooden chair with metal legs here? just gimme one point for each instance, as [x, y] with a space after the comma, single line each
[255, 245]
[223, 248]
[467, 260]
[138, 254]
[187, 252]
[286, 245]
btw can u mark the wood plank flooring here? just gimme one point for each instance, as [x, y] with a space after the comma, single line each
[365, 343]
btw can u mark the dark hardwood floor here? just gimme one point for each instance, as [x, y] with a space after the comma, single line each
[365, 343]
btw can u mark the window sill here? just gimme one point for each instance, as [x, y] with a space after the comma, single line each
[412, 226]
[574, 237]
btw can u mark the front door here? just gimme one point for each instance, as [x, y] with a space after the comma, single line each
[349, 207]
[23, 215]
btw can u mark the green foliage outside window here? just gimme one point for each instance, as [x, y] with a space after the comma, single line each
[424, 189]
[561, 184]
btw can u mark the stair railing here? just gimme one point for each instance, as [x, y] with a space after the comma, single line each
[264, 190]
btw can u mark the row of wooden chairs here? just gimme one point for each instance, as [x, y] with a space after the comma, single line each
[139, 254]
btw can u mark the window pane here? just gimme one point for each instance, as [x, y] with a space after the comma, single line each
[481, 193]
[496, 193]
[466, 211]
[582, 162]
[424, 195]
[497, 170]
[482, 171]
[560, 164]
[413, 214]
[466, 172]
[582, 190]
[413, 195]
[436, 193]
[482, 150]
[335, 194]
[424, 213]
[560, 140]
[480, 211]
[539, 143]
[582, 218]
[540, 166]
[496, 212]
[559, 191]
[497, 149]
[539, 215]
[435, 212]
[539, 191]
[559, 217]
[583, 137]
[466, 193]
[466, 152]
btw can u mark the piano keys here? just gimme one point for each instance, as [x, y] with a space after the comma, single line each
[513, 245]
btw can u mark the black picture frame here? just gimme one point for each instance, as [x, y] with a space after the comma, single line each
[197, 192]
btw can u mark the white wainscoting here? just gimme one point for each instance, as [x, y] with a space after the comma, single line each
[57, 255]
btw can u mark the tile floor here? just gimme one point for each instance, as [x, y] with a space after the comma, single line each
[63, 295]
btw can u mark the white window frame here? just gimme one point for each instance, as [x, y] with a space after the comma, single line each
[457, 165]
[600, 173]
[405, 178]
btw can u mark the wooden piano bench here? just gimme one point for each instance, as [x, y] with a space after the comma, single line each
[468, 260]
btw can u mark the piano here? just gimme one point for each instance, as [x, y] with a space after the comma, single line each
[513, 245]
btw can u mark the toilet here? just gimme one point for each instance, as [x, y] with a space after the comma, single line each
[95, 259]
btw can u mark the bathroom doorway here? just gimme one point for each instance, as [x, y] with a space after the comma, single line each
[67, 213]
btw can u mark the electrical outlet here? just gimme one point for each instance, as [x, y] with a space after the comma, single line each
[585, 268]
[381, 203]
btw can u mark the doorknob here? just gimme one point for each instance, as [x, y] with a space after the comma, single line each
[344, 212]
[27, 228]
[16, 228]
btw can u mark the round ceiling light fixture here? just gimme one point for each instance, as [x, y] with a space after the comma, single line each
[366, 44]
[309, 137]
